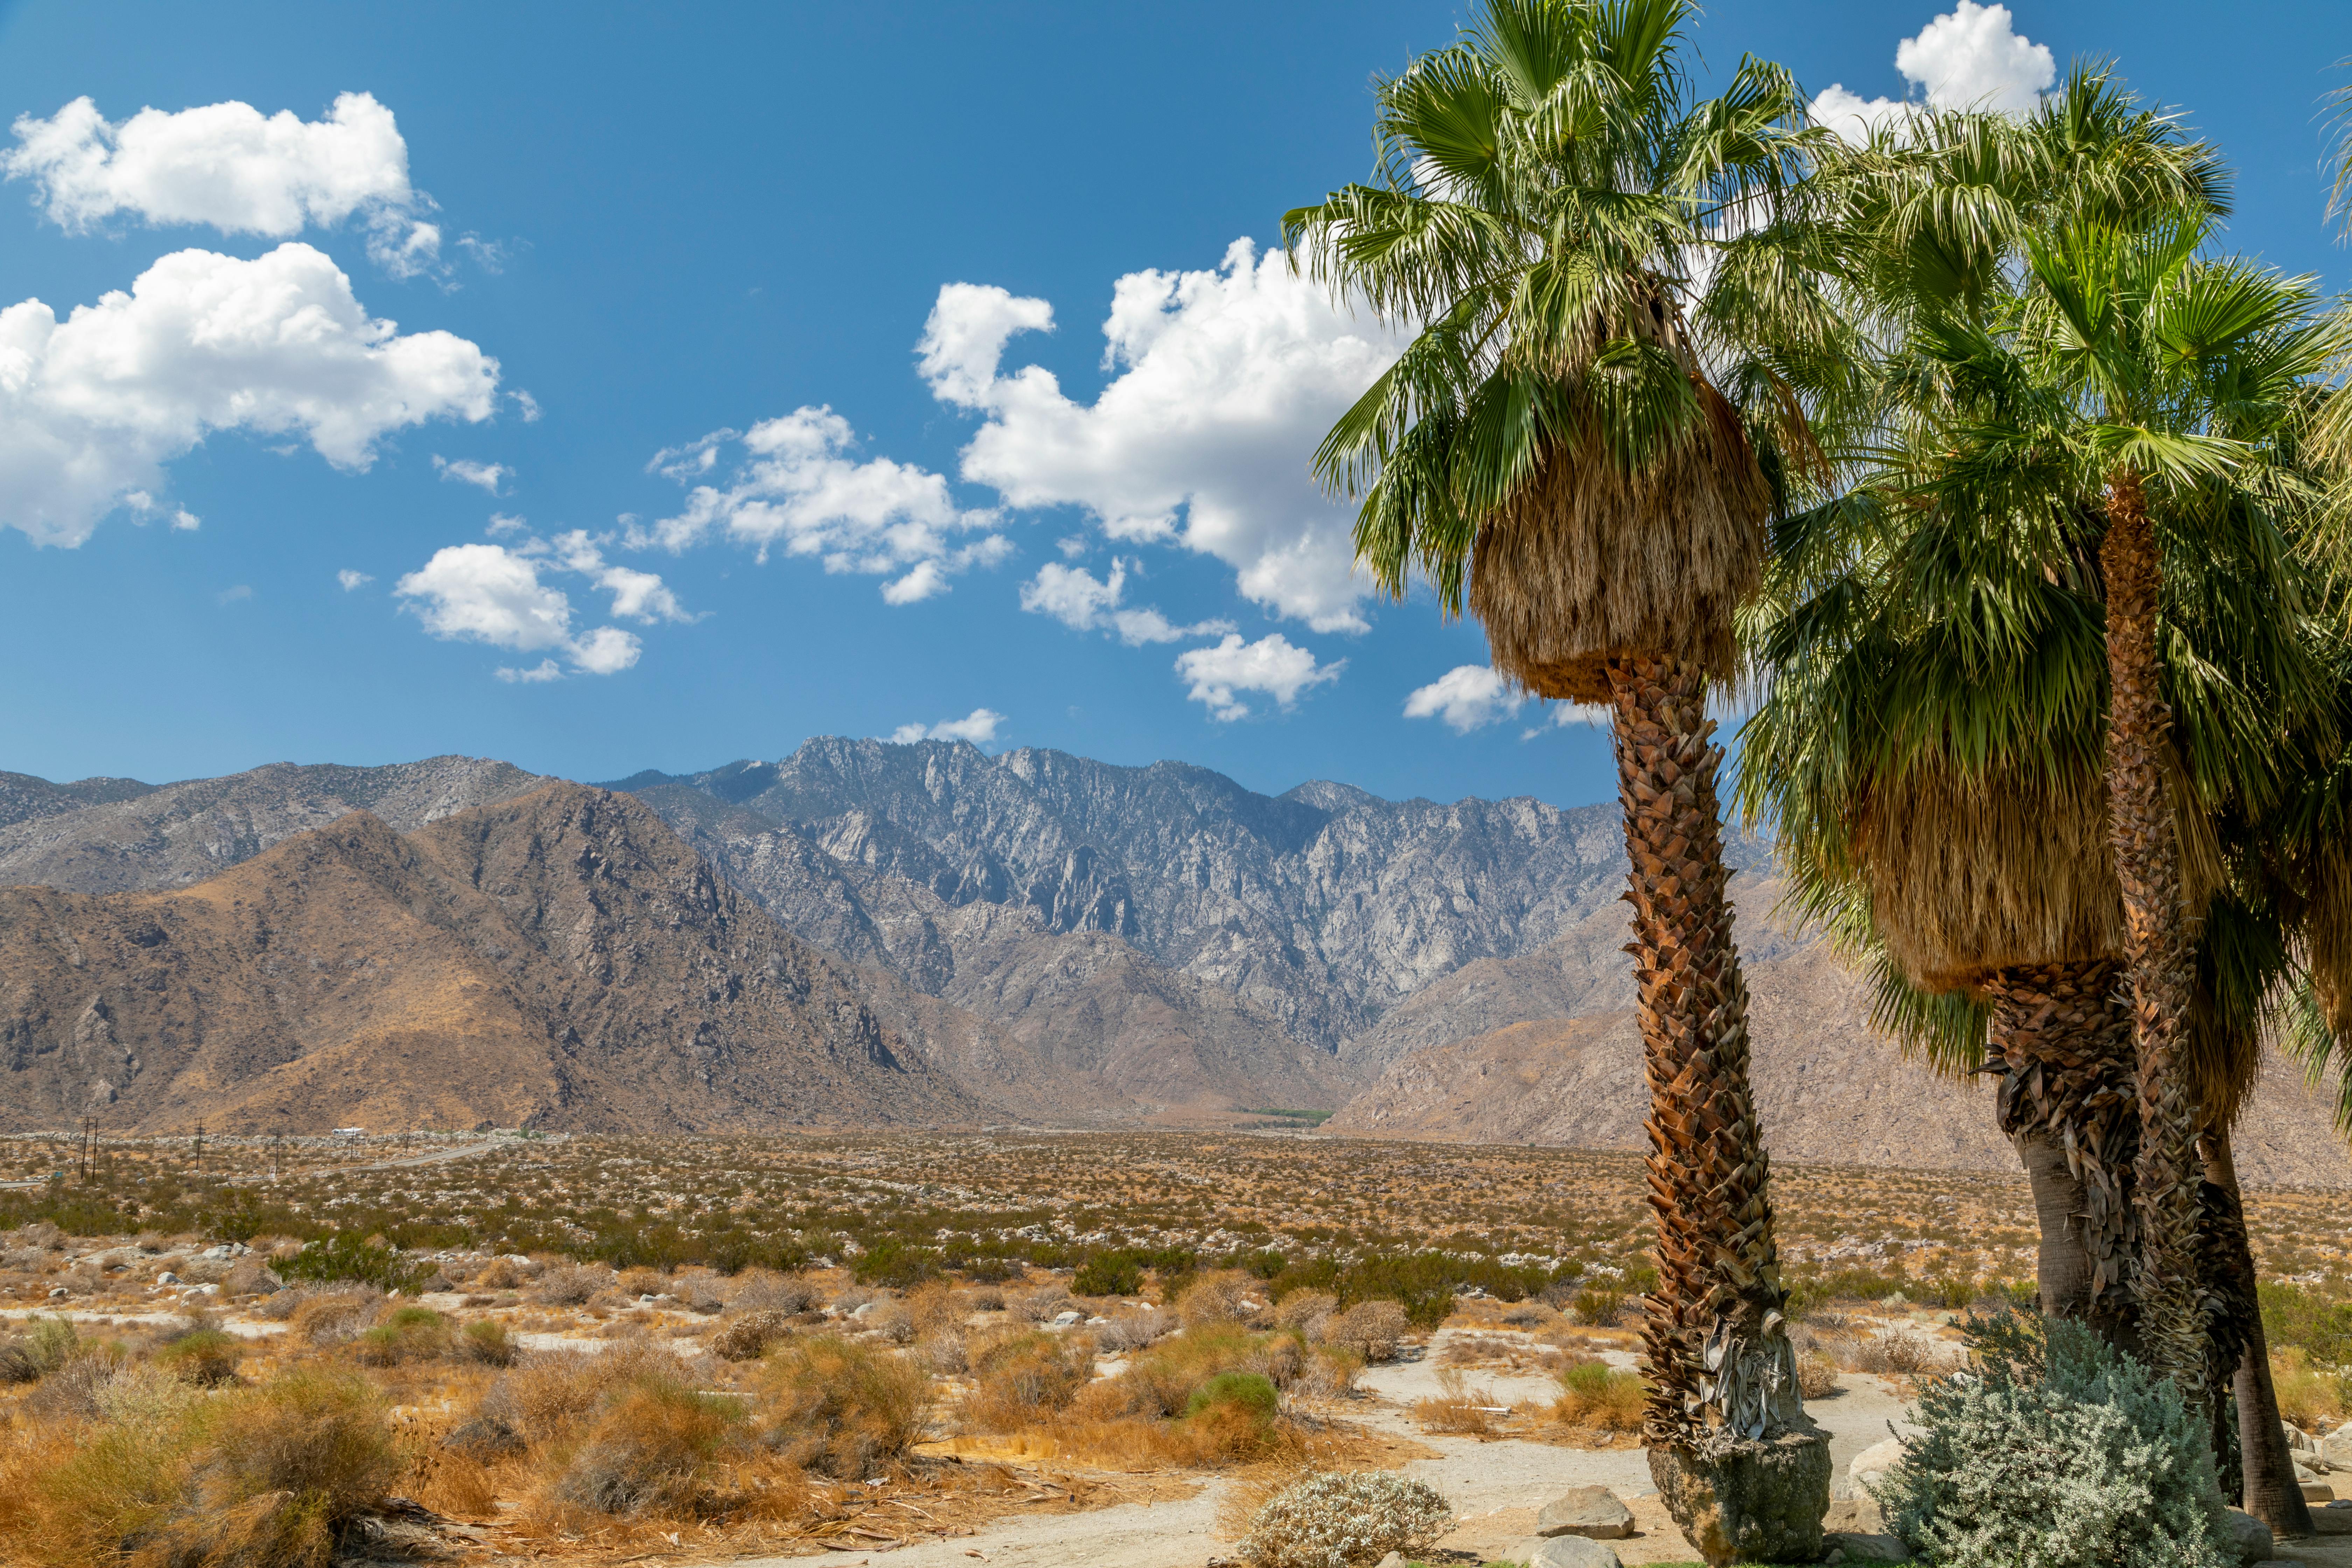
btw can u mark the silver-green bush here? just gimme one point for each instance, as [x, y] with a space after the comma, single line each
[1335, 1521]
[2056, 1452]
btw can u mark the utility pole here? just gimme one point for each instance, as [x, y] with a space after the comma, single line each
[200, 1149]
[88, 1149]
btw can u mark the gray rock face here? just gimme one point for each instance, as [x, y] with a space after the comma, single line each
[1325, 906]
[1592, 1512]
[118, 835]
[1758, 1503]
[1563, 1551]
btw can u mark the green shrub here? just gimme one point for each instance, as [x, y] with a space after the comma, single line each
[485, 1339]
[1109, 1274]
[1243, 1391]
[343, 1255]
[895, 1264]
[2061, 1453]
[207, 1357]
[406, 1334]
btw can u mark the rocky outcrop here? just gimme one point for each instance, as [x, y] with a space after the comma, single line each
[561, 959]
[112, 836]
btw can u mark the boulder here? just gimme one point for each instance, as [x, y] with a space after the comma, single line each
[1874, 1462]
[1562, 1552]
[1855, 1516]
[2336, 1448]
[1592, 1512]
[1863, 1546]
[1760, 1502]
[2249, 1537]
[2318, 1493]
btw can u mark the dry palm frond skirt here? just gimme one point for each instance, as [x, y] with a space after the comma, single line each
[1587, 561]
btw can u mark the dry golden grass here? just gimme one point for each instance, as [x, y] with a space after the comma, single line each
[1459, 1409]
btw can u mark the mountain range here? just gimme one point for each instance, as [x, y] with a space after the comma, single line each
[868, 933]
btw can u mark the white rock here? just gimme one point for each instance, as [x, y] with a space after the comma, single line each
[59, 1293]
[167, 1278]
[1593, 1512]
[1067, 1319]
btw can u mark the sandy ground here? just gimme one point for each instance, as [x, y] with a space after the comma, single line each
[1496, 1487]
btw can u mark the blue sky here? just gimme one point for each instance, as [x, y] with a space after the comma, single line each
[675, 335]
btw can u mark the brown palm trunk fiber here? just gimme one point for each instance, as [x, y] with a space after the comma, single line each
[2062, 1040]
[2148, 864]
[2266, 1463]
[1717, 1348]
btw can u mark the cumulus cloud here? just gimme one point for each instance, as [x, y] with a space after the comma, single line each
[227, 165]
[93, 407]
[1226, 379]
[350, 579]
[1270, 665]
[979, 727]
[466, 471]
[1076, 598]
[796, 488]
[1971, 57]
[1466, 697]
[496, 593]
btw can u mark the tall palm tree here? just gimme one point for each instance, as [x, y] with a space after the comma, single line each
[1552, 450]
[2135, 373]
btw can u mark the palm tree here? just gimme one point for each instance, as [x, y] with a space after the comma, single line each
[1552, 450]
[2136, 373]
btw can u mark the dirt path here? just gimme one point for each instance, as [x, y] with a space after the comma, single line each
[1496, 1487]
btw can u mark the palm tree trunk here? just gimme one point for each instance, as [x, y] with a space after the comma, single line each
[2062, 1040]
[2266, 1464]
[2147, 863]
[1720, 1365]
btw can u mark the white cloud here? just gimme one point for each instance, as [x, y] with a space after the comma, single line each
[1226, 381]
[1270, 665]
[466, 471]
[489, 594]
[545, 670]
[979, 727]
[500, 523]
[529, 404]
[350, 579]
[227, 165]
[1464, 697]
[1076, 598]
[237, 595]
[1971, 57]
[91, 407]
[797, 488]
[638, 595]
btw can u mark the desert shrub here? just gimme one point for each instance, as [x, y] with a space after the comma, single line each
[895, 1264]
[640, 1281]
[1130, 1332]
[1898, 1350]
[500, 1273]
[1599, 1306]
[73, 1389]
[1247, 1391]
[487, 1340]
[1219, 1295]
[1344, 1522]
[765, 1291]
[548, 1396]
[2294, 1318]
[935, 1308]
[1594, 1393]
[207, 1357]
[405, 1335]
[949, 1355]
[1817, 1375]
[345, 1256]
[570, 1284]
[1037, 1306]
[698, 1294]
[250, 1277]
[838, 1408]
[747, 1338]
[1027, 1379]
[334, 1318]
[16, 1364]
[1373, 1330]
[1330, 1373]
[993, 1270]
[2306, 1396]
[891, 1321]
[1458, 1408]
[1305, 1311]
[1109, 1274]
[651, 1449]
[2061, 1451]
[92, 1493]
[51, 1342]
